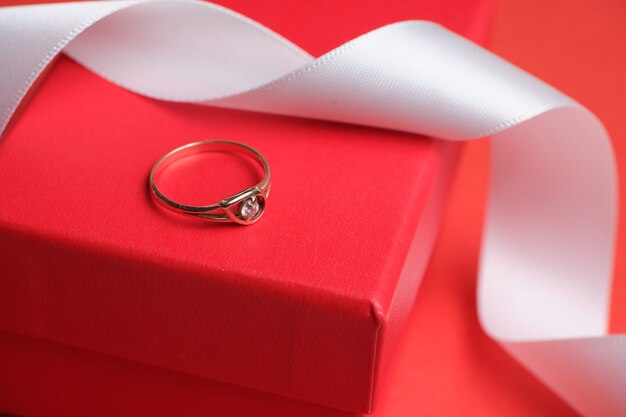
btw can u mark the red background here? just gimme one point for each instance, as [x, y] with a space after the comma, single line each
[579, 48]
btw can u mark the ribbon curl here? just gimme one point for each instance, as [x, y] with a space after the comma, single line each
[546, 263]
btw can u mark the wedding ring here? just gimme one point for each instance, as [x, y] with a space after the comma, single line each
[245, 207]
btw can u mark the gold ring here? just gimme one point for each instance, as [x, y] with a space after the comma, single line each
[245, 207]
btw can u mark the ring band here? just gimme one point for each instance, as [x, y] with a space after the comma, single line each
[245, 207]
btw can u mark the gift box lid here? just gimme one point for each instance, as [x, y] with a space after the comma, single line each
[306, 303]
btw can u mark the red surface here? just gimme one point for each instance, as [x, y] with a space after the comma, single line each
[578, 46]
[53, 380]
[307, 303]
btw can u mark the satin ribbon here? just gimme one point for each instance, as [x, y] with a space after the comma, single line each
[545, 271]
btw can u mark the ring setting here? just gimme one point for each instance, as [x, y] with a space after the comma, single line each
[249, 208]
[245, 207]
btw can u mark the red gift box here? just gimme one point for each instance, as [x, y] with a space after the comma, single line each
[308, 304]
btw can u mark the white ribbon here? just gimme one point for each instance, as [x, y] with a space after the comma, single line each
[546, 264]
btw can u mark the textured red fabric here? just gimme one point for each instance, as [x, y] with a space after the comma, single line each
[307, 304]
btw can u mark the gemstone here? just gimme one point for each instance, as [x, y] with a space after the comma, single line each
[249, 208]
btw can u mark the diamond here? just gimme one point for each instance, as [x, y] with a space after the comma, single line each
[249, 208]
